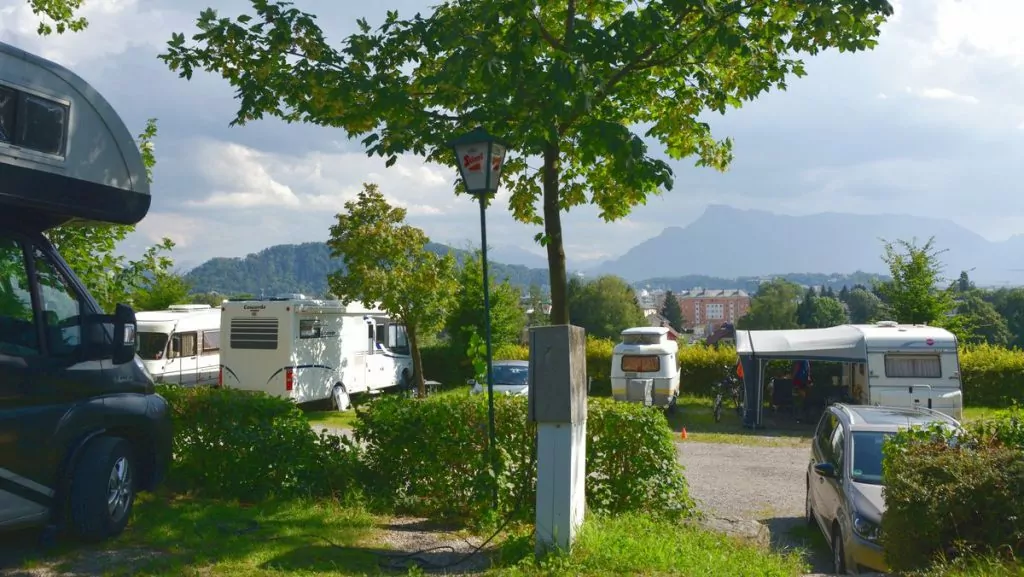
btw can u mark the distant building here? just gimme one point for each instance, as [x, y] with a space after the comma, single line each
[707, 309]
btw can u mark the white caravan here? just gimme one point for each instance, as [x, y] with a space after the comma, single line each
[645, 367]
[181, 345]
[886, 363]
[310, 350]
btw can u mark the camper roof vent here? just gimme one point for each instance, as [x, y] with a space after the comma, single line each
[186, 308]
[886, 324]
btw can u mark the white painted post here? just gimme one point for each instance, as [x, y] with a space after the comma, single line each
[558, 404]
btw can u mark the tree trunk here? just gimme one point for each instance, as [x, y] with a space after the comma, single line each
[553, 230]
[417, 362]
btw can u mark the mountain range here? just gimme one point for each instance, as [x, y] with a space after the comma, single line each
[723, 248]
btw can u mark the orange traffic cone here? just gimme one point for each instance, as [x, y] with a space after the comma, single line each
[683, 434]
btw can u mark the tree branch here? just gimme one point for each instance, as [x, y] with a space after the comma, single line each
[570, 22]
[551, 40]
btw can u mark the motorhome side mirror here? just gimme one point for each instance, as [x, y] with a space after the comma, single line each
[825, 470]
[125, 328]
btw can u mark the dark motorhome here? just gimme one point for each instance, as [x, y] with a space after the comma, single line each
[81, 428]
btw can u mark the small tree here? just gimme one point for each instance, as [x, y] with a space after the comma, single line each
[164, 289]
[826, 312]
[914, 295]
[604, 306]
[805, 310]
[865, 307]
[773, 307]
[672, 311]
[386, 261]
[507, 316]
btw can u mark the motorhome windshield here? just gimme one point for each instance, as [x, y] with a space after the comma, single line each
[152, 346]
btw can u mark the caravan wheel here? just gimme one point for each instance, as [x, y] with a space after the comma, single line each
[341, 399]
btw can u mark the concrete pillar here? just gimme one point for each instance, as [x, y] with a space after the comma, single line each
[558, 404]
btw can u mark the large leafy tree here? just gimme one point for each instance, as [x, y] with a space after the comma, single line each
[774, 307]
[387, 262]
[917, 293]
[604, 306]
[467, 316]
[578, 89]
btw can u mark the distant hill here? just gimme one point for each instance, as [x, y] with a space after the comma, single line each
[303, 268]
[730, 243]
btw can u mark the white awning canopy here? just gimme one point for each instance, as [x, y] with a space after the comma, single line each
[843, 343]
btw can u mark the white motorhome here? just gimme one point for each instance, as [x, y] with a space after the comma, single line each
[645, 367]
[311, 350]
[885, 363]
[181, 345]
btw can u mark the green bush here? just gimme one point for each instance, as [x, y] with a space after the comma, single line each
[949, 494]
[991, 376]
[250, 446]
[429, 456]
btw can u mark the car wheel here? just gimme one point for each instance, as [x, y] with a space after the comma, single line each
[342, 401]
[838, 553]
[102, 490]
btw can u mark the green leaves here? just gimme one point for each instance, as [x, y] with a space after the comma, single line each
[914, 294]
[62, 15]
[387, 262]
[586, 87]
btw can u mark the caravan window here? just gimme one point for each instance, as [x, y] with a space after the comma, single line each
[899, 366]
[398, 339]
[641, 363]
[310, 329]
[211, 341]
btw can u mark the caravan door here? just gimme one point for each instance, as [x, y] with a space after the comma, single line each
[378, 361]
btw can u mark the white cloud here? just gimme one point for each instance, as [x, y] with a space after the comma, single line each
[242, 177]
[114, 27]
[945, 94]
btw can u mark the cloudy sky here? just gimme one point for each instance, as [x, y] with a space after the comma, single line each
[930, 123]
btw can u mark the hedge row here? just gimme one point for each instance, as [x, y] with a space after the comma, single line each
[430, 456]
[992, 376]
[427, 456]
[951, 494]
[249, 446]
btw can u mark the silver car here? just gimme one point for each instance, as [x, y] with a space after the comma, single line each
[844, 479]
[509, 377]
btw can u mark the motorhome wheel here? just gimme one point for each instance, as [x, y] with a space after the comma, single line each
[103, 489]
[341, 399]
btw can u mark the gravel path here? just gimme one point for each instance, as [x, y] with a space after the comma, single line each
[745, 482]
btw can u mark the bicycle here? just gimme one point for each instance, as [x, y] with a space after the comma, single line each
[731, 385]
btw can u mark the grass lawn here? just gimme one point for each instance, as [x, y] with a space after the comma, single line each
[183, 537]
[186, 537]
[695, 413]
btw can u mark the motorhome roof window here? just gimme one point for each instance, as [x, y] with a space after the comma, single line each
[641, 339]
[33, 122]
